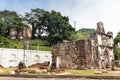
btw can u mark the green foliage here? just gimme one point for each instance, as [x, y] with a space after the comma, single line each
[35, 18]
[117, 38]
[83, 33]
[7, 43]
[36, 44]
[9, 19]
[53, 24]
[117, 52]
[42, 45]
[40, 42]
[2, 27]
[117, 49]
[58, 27]
[42, 48]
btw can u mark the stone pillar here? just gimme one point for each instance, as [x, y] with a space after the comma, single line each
[100, 28]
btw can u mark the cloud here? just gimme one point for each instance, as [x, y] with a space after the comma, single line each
[86, 13]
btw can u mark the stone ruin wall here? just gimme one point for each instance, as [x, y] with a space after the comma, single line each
[102, 48]
[26, 33]
[73, 55]
[96, 52]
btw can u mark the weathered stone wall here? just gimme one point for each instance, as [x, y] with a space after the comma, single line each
[96, 52]
[66, 53]
[104, 45]
[72, 54]
[26, 33]
[83, 54]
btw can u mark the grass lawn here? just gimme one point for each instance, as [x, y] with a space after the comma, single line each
[71, 71]
[81, 72]
[6, 70]
[92, 73]
[42, 48]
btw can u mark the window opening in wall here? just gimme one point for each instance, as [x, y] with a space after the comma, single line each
[37, 59]
[13, 58]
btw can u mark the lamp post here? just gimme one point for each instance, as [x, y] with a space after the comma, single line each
[26, 45]
[38, 46]
[24, 54]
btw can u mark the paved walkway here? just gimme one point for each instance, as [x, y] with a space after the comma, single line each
[15, 78]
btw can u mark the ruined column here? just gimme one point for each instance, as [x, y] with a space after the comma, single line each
[100, 28]
[104, 47]
[110, 48]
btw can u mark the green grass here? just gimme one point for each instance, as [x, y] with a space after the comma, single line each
[45, 48]
[71, 71]
[7, 71]
[81, 72]
[92, 73]
[44, 45]
[42, 48]
[8, 43]
[40, 42]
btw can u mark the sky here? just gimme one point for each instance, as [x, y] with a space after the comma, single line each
[86, 13]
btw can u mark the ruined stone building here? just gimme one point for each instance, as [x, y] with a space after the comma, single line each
[96, 52]
[26, 33]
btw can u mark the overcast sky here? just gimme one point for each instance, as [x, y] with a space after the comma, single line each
[86, 13]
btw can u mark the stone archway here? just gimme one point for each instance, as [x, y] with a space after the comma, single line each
[106, 58]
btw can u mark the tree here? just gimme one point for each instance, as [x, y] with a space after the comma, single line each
[53, 24]
[117, 49]
[83, 33]
[8, 20]
[57, 26]
[2, 27]
[117, 38]
[35, 19]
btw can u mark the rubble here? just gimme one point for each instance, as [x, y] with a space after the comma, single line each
[1, 67]
[34, 68]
